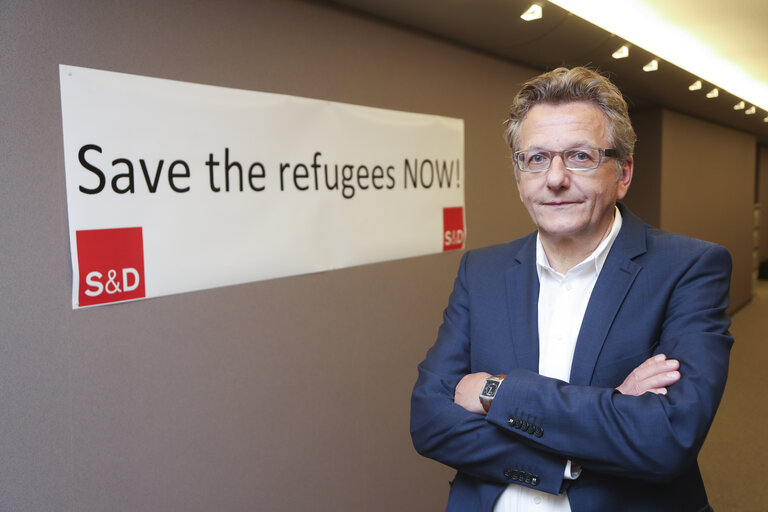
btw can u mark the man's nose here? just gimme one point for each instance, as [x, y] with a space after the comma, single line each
[557, 175]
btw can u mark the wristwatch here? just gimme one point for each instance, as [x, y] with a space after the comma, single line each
[489, 390]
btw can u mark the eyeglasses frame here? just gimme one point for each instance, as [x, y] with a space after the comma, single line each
[603, 152]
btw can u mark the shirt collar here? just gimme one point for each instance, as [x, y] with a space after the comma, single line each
[597, 257]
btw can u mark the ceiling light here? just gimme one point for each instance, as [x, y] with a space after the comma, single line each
[695, 86]
[739, 106]
[751, 110]
[621, 52]
[533, 13]
[671, 42]
[714, 93]
[765, 119]
[651, 66]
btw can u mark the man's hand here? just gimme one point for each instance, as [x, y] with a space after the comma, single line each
[654, 375]
[468, 391]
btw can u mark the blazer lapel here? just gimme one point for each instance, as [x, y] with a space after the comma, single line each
[613, 284]
[522, 303]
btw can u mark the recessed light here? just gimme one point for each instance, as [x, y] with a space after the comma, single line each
[651, 66]
[695, 86]
[714, 93]
[621, 52]
[533, 13]
[751, 110]
[739, 106]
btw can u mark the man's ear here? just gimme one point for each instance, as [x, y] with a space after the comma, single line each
[625, 178]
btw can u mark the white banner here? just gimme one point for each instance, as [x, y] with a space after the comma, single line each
[174, 187]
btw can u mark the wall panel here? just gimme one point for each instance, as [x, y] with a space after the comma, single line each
[291, 394]
[707, 190]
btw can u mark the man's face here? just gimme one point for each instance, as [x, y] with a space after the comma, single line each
[574, 206]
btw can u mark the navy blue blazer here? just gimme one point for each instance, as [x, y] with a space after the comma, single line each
[657, 293]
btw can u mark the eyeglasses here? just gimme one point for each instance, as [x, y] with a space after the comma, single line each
[577, 159]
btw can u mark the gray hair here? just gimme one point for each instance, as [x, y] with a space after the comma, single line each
[564, 85]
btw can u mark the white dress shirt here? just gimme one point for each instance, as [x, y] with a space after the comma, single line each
[562, 302]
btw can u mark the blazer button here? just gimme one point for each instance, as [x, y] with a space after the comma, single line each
[538, 432]
[534, 480]
[524, 425]
[511, 421]
[508, 474]
[531, 428]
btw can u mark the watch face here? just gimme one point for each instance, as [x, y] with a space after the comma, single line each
[490, 388]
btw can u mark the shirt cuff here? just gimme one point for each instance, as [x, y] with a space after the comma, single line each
[572, 471]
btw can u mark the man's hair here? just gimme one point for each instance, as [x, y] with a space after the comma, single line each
[564, 85]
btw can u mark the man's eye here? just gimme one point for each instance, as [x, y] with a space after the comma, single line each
[537, 158]
[581, 157]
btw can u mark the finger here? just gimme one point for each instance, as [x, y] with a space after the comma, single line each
[655, 366]
[661, 380]
[646, 368]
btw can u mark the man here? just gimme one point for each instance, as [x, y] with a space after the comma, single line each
[600, 344]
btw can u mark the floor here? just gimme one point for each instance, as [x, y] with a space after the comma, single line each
[734, 459]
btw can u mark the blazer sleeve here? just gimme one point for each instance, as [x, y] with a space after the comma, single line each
[446, 432]
[650, 437]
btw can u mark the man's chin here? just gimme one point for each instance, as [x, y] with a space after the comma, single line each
[556, 230]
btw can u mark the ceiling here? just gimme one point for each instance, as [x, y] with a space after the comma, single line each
[734, 31]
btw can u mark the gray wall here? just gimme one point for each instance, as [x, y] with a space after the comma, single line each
[698, 178]
[644, 196]
[708, 190]
[282, 395]
[762, 159]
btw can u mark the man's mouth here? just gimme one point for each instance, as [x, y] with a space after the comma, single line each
[558, 203]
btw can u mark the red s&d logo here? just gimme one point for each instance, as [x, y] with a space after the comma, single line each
[453, 228]
[111, 263]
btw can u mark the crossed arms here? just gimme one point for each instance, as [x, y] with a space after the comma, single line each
[643, 416]
[653, 376]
